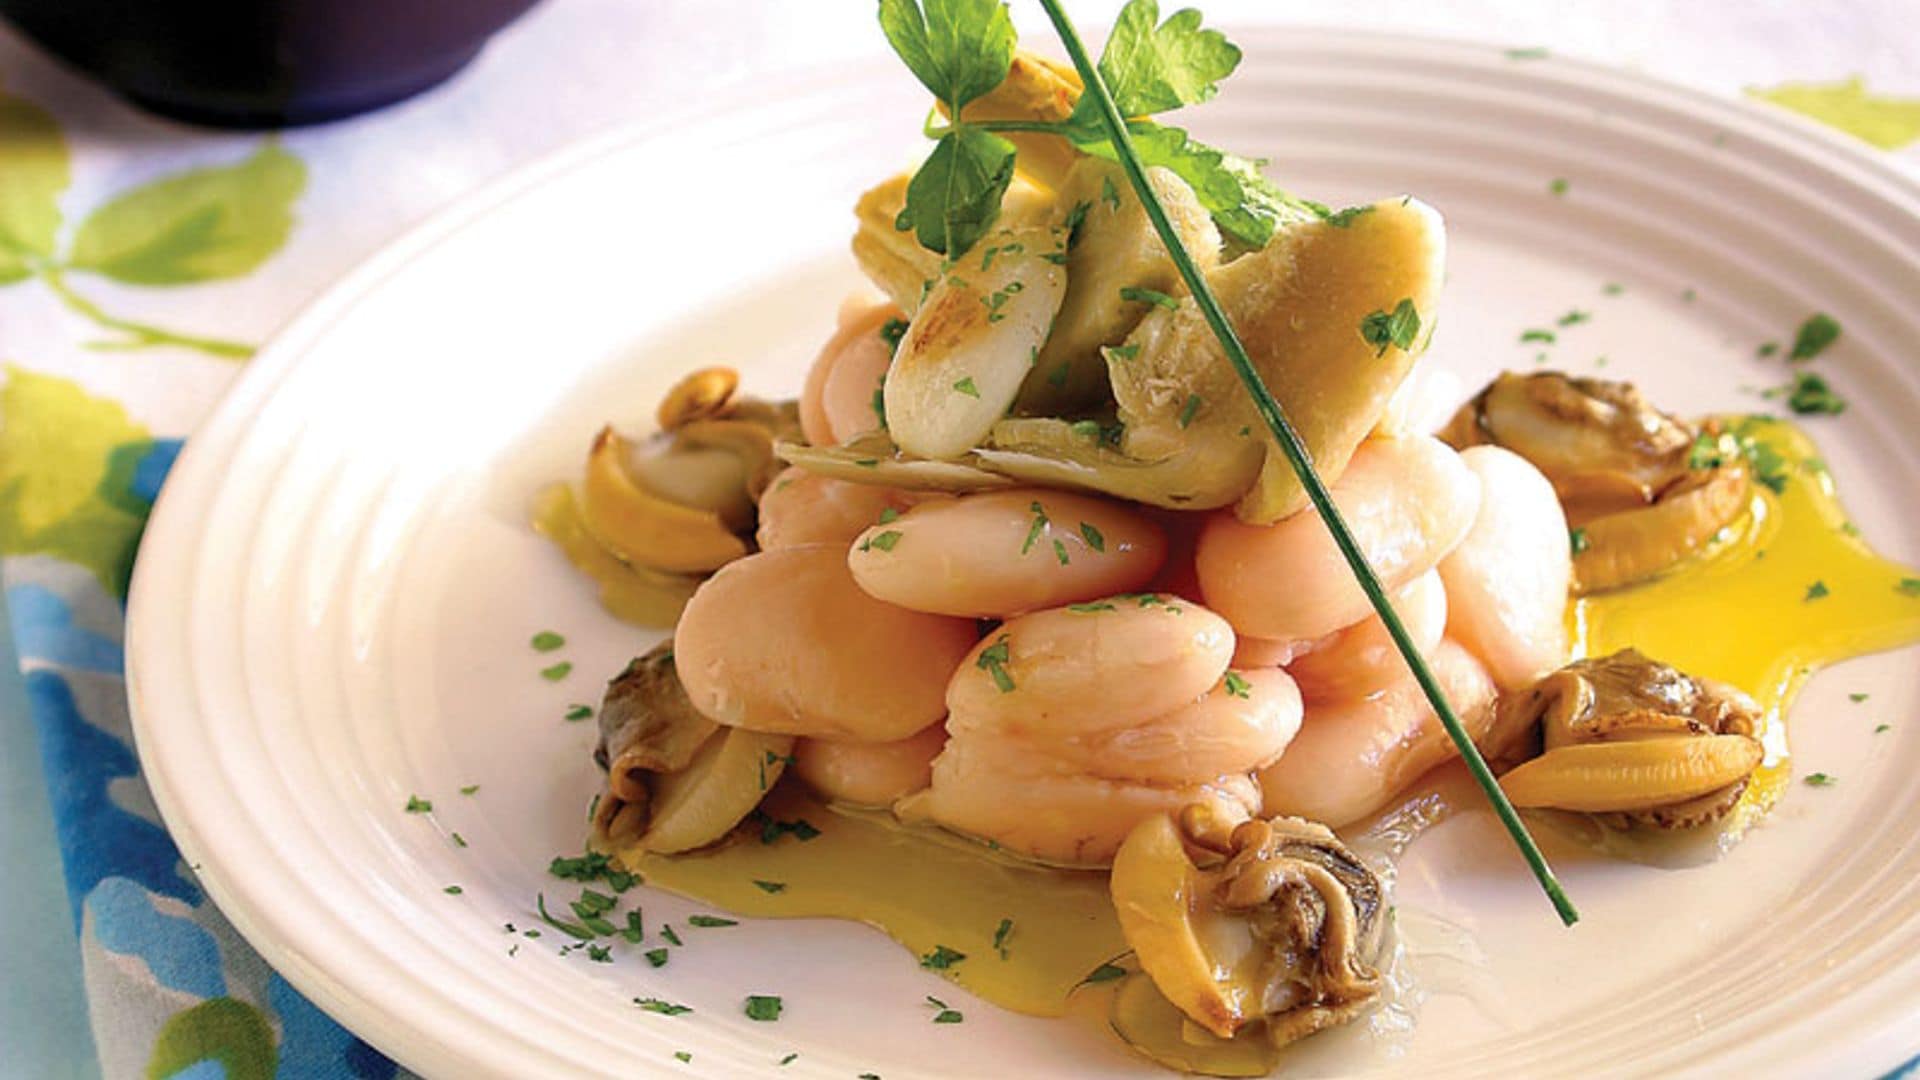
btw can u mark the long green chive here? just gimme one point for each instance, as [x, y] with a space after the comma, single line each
[1289, 441]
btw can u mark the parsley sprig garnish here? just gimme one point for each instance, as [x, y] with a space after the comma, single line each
[963, 49]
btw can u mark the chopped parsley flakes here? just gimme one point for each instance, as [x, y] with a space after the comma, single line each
[710, 920]
[1819, 331]
[1000, 935]
[1399, 328]
[1106, 973]
[1194, 402]
[947, 1014]
[579, 712]
[656, 957]
[1038, 526]
[1094, 538]
[1816, 591]
[1908, 587]
[966, 386]
[770, 887]
[558, 671]
[763, 1007]
[1577, 540]
[418, 805]
[1149, 296]
[885, 541]
[1545, 337]
[664, 1008]
[1820, 779]
[453, 890]
[1558, 185]
[1811, 396]
[941, 958]
[1238, 686]
[994, 660]
[547, 641]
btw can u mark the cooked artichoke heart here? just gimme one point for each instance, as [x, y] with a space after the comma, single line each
[1627, 735]
[1276, 921]
[872, 458]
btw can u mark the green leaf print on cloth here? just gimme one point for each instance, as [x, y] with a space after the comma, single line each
[205, 224]
[33, 173]
[64, 455]
[199, 225]
[220, 1029]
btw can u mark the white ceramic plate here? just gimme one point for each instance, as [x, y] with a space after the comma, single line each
[333, 603]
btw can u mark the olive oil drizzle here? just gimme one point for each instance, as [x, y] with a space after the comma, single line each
[1747, 612]
[1738, 613]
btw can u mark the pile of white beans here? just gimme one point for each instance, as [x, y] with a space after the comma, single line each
[1042, 669]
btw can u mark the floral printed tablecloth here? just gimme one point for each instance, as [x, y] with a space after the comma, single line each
[141, 263]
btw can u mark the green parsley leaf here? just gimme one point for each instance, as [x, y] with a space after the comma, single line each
[1908, 586]
[1558, 185]
[763, 1007]
[667, 932]
[557, 672]
[994, 659]
[1238, 686]
[1120, 352]
[1000, 935]
[1883, 727]
[1545, 337]
[948, 1016]
[418, 805]
[1246, 205]
[635, 931]
[1341, 219]
[1106, 973]
[1194, 401]
[710, 920]
[1577, 540]
[966, 386]
[770, 886]
[1613, 288]
[664, 1008]
[1153, 69]
[1060, 552]
[958, 49]
[1149, 296]
[1109, 194]
[1856, 698]
[1088, 609]
[789, 1059]
[1820, 779]
[1766, 349]
[547, 641]
[458, 840]
[1574, 317]
[580, 712]
[1819, 331]
[1093, 536]
[453, 890]
[888, 516]
[885, 541]
[470, 789]
[682, 1056]
[953, 200]
[580, 933]
[892, 331]
[1037, 527]
[1810, 395]
[656, 957]
[1816, 591]
[1533, 53]
[589, 867]
[1399, 329]
[600, 954]
[941, 958]
[1057, 378]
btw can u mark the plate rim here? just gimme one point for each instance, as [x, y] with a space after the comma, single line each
[173, 537]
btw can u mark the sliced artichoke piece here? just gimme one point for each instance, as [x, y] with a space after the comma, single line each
[1276, 922]
[643, 528]
[1323, 311]
[973, 342]
[873, 459]
[1634, 739]
[729, 775]
[1113, 247]
[1216, 469]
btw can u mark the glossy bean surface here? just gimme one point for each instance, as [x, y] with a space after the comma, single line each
[785, 642]
[1507, 583]
[1001, 553]
[869, 773]
[1351, 663]
[1407, 501]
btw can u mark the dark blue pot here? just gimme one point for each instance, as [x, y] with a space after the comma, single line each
[264, 63]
